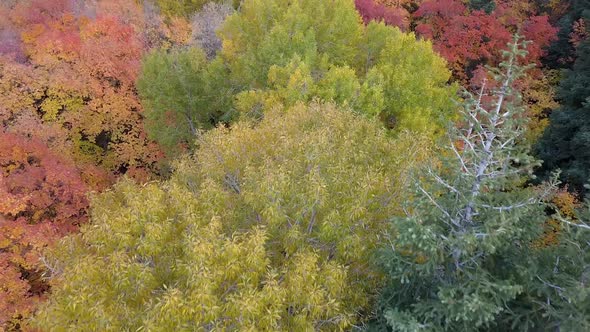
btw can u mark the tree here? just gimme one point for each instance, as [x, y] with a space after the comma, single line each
[205, 25]
[565, 143]
[468, 39]
[486, 5]
[463, 259]
[394, 16]
[69, 121]
[562, 52]
[178, 96]
[43, 198]
[471, 39]
[268, 226]
[289, 54]
[285, 52]
[186, 8]
[84, 83]
[180, 7]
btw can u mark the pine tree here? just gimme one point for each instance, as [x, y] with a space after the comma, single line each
[463, 259]
[566, 142]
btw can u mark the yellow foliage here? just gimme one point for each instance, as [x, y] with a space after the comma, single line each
[270, 226]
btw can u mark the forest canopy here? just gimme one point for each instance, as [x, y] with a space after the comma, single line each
[290, 54]
[256, 218]
[380, 165]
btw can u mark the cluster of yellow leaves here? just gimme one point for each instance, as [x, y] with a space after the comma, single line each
[538, 94]
[269, 226]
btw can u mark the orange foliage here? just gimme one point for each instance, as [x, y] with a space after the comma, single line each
[70, 122]
[42, 197]
[82, 81]
[566, 204]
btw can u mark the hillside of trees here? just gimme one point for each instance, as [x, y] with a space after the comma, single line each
[294, 165]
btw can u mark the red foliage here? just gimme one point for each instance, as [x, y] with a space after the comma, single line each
[48, 188]
[42, 197]
[469, 39]
[579, 32]
[110, 50]
[444, 9]
[70, 121]
[538, 30]
[372, 11]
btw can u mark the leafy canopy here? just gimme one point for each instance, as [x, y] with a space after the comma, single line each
[287, 51]
[277, 52]
[42, 197]
[266, 227]
[179, 93]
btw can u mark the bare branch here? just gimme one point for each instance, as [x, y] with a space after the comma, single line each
[437, 205]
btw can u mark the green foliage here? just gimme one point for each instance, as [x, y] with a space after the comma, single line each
[278, 53]
[182, 8]
[180, 96]
[486, 5]
[288, 51]
[564, 272]
[566, 142]
[266, 227]
[186, 8]
[463, 259]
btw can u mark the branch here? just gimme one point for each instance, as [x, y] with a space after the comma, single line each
[443, 182]
[530, 201]
[580, 225]
[438, 206]
[550, 284]
[463, 165]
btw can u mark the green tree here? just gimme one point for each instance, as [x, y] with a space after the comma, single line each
[463, 259]
[280, 51]
[179, 92]
[266, 227]
[566, 142]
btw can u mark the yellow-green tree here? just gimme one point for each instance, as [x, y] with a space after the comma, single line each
[266, 227]
[279, 52]
[288, 51]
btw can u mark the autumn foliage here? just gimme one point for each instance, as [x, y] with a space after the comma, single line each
[43, 198]
[93, 92]
[70, 122]
[265, 228]
[470, 38]
[371, 10]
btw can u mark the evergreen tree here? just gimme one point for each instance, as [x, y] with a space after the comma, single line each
[566, 142]
[562, 52]
[464, 258]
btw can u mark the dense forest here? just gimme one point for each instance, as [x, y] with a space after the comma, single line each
[294, 165]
